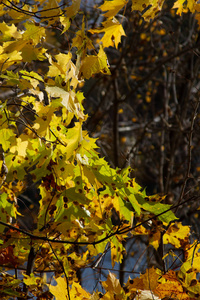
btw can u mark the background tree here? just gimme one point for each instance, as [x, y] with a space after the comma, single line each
[66, 215]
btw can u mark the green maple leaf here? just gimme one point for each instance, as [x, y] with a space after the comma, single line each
[156, 209]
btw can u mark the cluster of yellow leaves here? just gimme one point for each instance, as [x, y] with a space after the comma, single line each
[151, 285]
[23, 47]
[155, 285]
[76, 292]
[177, 235]
[148, 8]
[79, 191]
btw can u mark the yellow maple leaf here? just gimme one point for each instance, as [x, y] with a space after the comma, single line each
[59, 66]
[77, 292]
[9, 32]
[93, 64]
[14, 46]
[176, 234]
[154, 240]
[153, 10]
[82, 42]
[72, 139]
[112, 7]
[112, 284]
[152, 6]
[183, 6]
[65, 21]
[171, 290]
[20, 148]
[192, 259]
[8, 59]
[149, 280]
[191, 4]
[197, 17]
[60, 290]
[33, 32]
[146, 284]
[30, 53]
[113, 32]
[73, 9]
[180, 5]
[32, 280]
[140, 5]
[51, 9]
[68, 99]
[65, 67]
[16, 15]
[116, 250]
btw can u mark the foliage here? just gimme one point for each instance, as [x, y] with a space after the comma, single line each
[86, 207]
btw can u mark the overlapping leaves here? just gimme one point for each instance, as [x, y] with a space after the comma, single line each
[41, 137]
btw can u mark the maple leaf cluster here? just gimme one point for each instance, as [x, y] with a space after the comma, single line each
[85, 207]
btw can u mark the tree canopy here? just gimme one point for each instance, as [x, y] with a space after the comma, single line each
[83, 207]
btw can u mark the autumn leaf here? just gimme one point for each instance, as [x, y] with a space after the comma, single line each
[60, 290]
[58, 195]
[7, 256]
[177, 235]
[50, 11]
[170, 286]
[33, 33]
[151, 7]
[154, 239]
[8, 59]
[20, 147]
[147, 281]
[93, 64]
[65, 21]
[7, 138]
[183, 6]
[156, 208]
[171, 289]
[78, 292]
[8, 32]
[31, 280]
[112, 7]
[113, 32]
[112, 287]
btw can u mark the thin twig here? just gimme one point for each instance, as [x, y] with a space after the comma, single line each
[61, 264]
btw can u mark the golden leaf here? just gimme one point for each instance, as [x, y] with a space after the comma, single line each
[183, 6]
[112, 284]
[113, 32]
[152, 7]
[94, 64]
[60, 290]
[112, 7]
[176, 234]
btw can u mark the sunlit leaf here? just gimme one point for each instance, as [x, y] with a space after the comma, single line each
[113, 32]
[94, 64]
[112, 7]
